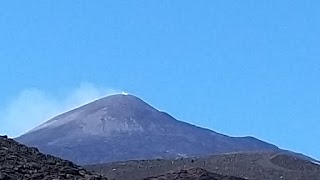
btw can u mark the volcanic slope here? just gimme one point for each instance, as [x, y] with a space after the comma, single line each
[21, 162]
[193, 174]
[123, 127]
[254, 166]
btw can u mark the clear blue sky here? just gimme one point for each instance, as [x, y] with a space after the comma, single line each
[238, 67]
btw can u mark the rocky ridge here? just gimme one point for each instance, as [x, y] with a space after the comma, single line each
[254, 166]
[18, 161]
[193, 174]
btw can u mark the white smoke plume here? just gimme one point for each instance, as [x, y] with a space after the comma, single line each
[32, 107]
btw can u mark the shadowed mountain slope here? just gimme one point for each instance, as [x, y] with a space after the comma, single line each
[123, 127]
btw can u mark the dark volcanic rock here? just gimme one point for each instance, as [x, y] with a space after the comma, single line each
[193, 174]
[254, 166]
[294, 163]
[21, 162]
[129, 129]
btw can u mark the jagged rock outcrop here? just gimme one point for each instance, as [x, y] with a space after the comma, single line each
[18, 161]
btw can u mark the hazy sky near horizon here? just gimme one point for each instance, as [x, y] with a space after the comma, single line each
[237, 67]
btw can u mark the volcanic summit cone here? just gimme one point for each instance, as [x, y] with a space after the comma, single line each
[123, 127]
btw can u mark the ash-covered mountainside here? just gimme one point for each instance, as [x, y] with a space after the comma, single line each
[254, 166]
[21, 162]
[123, 127]
[193, 174]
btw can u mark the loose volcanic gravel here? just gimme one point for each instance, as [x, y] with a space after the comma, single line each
[193, 174]
[18, 161]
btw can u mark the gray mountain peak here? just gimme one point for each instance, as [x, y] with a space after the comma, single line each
[123, 127]
[105, 117]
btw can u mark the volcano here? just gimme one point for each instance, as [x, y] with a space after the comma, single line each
[124, 127]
